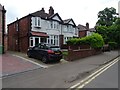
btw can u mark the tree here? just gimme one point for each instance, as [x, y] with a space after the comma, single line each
[107, 17]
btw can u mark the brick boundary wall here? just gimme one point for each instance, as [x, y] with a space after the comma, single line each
[77, 54]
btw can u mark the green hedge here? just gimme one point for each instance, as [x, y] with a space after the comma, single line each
[95, 41]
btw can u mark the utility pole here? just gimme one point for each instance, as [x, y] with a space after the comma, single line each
[3, 29]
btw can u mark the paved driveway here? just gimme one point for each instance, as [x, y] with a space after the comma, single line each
[11, 64]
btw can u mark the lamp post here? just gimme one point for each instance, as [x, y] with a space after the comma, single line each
[3, 28]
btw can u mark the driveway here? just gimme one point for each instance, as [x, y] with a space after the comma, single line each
[12, 64]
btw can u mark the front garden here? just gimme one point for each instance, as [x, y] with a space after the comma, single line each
[83, 47]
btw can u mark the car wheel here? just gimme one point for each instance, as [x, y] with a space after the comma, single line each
[44, 59]
[29, 55]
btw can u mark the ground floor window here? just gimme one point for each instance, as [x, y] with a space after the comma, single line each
[66, 39]
[53, 40]
[36, 40]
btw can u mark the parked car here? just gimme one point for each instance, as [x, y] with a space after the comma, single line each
[45, 52]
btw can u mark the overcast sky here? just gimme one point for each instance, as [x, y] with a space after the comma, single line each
[81, 11]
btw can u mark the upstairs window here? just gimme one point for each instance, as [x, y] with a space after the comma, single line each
[37, 22]
[54, 25]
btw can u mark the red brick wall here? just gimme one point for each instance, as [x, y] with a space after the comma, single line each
[13, 35]
[82, 33]
[24, 27]
[77, 54]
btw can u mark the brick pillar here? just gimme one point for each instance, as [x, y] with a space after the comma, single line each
[61, 40]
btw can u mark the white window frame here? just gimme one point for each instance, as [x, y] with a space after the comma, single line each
[54, 25]
[54, 39]
[37, 21]
[33, 39]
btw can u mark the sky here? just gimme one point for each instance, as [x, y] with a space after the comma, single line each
[81, 11]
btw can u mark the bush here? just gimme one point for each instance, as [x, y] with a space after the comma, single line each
[95, 41]
[112, 45]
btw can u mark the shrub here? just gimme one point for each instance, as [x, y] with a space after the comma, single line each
[95, 41]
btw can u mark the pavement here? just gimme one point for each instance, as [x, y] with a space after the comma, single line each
[16, 62]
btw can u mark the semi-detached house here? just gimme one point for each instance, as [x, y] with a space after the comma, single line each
[39, 27]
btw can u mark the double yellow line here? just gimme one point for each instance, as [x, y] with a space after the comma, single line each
[91, 77]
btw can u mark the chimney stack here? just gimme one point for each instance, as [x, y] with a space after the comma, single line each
[43, 10]
[87, 26]
[51, 11]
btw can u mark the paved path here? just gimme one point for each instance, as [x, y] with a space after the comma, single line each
[12, 64]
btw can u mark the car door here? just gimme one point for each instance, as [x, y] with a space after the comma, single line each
[35, 51]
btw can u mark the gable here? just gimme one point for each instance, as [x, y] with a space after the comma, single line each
[56, 17]
[71, 22]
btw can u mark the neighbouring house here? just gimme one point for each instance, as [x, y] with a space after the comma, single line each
[40, 27]
[2, 29]
[85, 30]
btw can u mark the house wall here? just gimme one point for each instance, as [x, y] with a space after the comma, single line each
[46, 27]
[18, 39]
[82, 33]
[24, 32]
[12, 37]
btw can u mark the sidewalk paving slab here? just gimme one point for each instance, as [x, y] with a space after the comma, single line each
[13, 65]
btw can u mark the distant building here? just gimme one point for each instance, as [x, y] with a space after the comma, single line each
[85, 30]
[40, 27]
[2, 28]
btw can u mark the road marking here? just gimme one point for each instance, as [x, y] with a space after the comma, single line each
[97, 75]
[85, 81]
[43, 66]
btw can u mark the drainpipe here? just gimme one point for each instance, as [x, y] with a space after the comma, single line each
[3, 29]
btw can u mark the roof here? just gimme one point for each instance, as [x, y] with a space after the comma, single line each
[92, 29]
[41, 34]
[40, 14]
[50, 17]
[81, 27]
[66, 21]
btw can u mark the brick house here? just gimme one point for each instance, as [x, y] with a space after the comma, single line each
[40, 27]
[2, 28]
[85, 30]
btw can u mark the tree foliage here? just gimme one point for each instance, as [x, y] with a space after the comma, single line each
[111, 34]
[106, 17]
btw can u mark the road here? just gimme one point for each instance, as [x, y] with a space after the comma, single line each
[58, 76]
[108, 79]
